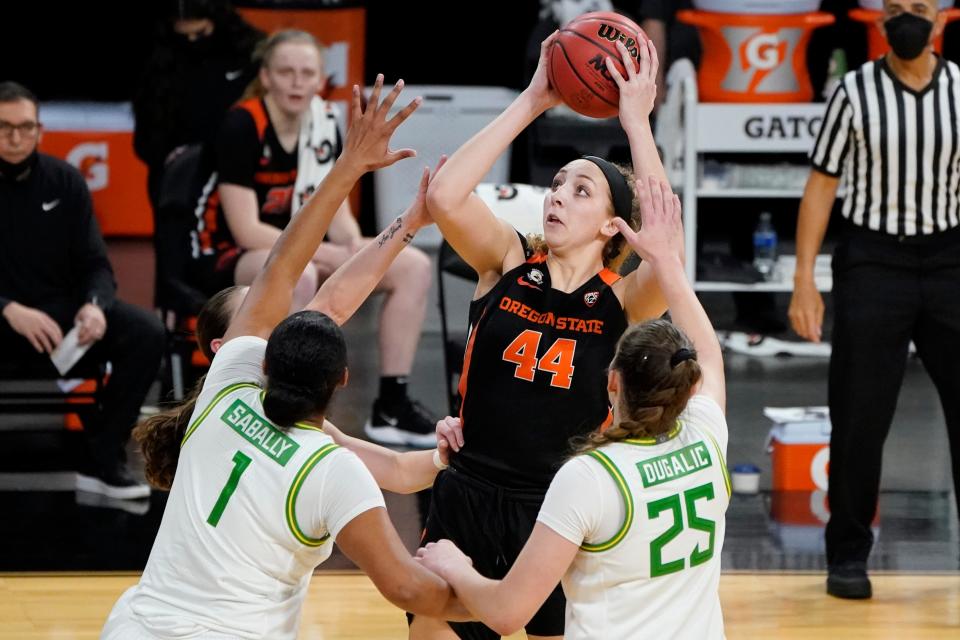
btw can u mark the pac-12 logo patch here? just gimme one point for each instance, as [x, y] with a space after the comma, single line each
[591, 298]
[535, 276]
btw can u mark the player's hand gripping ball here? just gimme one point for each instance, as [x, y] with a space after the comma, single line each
[578, 69]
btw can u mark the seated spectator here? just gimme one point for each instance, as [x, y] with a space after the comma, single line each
[272, 151]
[54, 276]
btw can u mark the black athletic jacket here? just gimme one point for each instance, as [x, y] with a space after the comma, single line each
[51, 252]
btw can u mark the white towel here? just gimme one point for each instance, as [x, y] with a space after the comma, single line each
[317, 148]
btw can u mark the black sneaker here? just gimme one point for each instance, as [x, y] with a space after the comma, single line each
[849, 580]
[116, 482]
[408, 424]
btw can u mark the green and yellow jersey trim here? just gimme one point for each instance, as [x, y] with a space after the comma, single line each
[206, 412]
[624, 490]
[723, 463]
[650, 442]
[308, 427]
[291, 508]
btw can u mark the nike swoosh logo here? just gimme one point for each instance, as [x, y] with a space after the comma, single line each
[524, 283]
[49, 206]
[233, 75]
[391, 422]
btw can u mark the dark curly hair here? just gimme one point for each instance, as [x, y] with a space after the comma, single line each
[305, 360]
[160, 435]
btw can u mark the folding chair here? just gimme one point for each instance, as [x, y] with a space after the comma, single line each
[31, 389]
[177, 296]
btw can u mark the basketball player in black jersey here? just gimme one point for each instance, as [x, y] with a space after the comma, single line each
[544, 324]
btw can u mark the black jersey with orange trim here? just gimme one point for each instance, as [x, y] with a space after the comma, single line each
[533, 374]
[249, 154]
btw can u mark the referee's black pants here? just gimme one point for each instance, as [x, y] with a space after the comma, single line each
[887, 291]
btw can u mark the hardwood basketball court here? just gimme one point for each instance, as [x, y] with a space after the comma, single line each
[345, 605]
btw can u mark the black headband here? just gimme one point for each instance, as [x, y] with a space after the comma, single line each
[620, 191]
[680, 355]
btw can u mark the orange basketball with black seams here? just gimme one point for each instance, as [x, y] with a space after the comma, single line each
[577, 67]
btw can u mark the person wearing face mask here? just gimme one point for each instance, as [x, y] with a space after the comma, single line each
[890, 135]
[201, 65]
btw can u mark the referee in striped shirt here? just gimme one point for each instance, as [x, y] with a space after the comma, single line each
[890, 135]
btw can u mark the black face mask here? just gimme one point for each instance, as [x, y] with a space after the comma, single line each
[199, 47]
[908, 35]
[19, 170]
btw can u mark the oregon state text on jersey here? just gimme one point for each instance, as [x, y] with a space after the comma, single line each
[533, 373]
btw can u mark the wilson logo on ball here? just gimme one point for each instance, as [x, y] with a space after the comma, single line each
[611, 33]
[577, 67]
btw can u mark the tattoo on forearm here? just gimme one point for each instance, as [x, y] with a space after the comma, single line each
[388, 234]
[407, 238]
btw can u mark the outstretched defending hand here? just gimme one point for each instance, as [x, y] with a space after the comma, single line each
[367, 146]
[661, 235]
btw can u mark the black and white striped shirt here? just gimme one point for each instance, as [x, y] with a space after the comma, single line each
[897, 149]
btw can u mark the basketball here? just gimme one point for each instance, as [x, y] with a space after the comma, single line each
[578, 69]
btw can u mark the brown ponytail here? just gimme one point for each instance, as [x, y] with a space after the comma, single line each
[160, 436]
[655, 383]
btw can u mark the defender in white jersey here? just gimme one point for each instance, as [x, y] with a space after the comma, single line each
[253, 510]
[260, 492]
[634, 523]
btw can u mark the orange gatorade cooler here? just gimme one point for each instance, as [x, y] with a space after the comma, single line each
[755, 50]
[799, 444]
[800, 508]
[797, 519]
[871, 14]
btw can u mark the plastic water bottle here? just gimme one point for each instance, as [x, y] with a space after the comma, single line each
[765, 246]
[836, 68]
